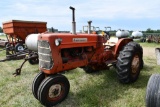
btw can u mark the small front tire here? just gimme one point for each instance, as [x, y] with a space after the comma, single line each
[53, 90]
[36, 83]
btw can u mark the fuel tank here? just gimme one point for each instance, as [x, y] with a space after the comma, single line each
[137, 34]
[31, 42]
[122, 33]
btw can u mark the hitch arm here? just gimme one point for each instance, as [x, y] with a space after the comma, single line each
[18, 70]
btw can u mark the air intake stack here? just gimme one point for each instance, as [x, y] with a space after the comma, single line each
[89, 27]
[73, 20]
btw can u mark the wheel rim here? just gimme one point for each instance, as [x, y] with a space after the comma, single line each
[55, 92]
[20, 48]
[135, 64]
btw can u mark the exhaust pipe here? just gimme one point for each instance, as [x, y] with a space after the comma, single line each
[73, 20]
[89, 27]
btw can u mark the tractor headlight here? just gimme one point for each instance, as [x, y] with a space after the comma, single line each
[58, 41]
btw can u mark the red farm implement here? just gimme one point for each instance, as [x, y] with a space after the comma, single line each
[16, 32]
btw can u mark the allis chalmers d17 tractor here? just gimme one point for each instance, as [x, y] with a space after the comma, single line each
[59, 52]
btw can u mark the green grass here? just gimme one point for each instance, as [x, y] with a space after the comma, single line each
[154, 45]
[101, 89]
[3, 37]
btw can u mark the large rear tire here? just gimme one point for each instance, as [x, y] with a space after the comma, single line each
[136, 45]
[153, 91]
[53, 90]
[129, 63]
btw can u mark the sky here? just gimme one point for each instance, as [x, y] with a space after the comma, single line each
[118, 14]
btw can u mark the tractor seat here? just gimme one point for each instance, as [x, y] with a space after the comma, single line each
[111, 42]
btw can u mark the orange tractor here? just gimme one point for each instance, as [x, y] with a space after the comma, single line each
[59, 52]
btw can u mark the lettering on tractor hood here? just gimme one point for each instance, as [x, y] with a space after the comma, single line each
[80, 39]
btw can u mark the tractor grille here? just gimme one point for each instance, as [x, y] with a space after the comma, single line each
[45, 56]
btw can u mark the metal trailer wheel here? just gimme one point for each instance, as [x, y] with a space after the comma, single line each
[8, 45]
[19, 47]
[129, 63]
[35, 60]
[53, 90]
[36, 83]
[153, 91]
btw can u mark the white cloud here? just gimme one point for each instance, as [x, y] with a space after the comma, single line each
[122, 8]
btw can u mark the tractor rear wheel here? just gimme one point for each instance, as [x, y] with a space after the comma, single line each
[36, 83]
[129, 63]
[53, 90]
[136, 45]
[153, 91]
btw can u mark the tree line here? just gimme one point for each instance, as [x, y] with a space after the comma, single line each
[149, 30]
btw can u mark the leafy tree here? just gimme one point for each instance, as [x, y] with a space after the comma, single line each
[149, 30]
[1, 30]
[158, 31]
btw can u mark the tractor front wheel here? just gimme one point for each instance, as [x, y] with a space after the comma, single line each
[153, 91]
[129, 63]
[53, 90]
[36, 83]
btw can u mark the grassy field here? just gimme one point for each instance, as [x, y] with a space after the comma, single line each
[101, 89]
[3, 36]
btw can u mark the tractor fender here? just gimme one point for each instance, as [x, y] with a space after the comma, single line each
[120, 44]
